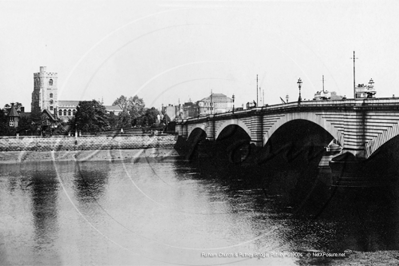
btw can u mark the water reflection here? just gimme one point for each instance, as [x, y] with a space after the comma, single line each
[43, 186]
[126, 213]
[90, 181]
[310, 215]
[44, 190]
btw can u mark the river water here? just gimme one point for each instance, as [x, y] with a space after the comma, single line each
[161, 210]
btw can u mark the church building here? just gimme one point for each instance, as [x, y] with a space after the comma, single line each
[45, 91]
[45, 97]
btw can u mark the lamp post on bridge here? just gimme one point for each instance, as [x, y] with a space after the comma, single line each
[233, 102]
[299, 86]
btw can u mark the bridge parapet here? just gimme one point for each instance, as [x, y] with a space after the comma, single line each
[361, 126]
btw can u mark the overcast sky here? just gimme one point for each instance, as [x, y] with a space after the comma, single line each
[164, 51]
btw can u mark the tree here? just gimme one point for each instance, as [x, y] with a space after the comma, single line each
[24, 124]
[124, 120]
[136, 106]
[3, 123]
[122, 102]
[91, 117]
[150, 117]
[113, 120]
[35, 116]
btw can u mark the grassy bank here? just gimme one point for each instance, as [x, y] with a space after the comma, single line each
[85, 143]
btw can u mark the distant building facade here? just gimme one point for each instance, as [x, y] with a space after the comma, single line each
[115, 109]
[48, 122]
[13, 116]
[66, 109]
[215, 103]
[45, 97]
[172, 111]
[190, 109]
[45, 91]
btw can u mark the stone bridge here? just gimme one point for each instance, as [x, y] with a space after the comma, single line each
[360, 126]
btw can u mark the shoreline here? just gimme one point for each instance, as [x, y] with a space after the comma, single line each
[85, 143]
[111, 155]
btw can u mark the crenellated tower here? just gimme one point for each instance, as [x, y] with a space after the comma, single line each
[45, 91]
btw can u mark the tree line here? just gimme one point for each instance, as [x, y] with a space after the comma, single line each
[92, 117]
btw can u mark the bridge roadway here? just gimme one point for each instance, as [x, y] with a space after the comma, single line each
[360, 126]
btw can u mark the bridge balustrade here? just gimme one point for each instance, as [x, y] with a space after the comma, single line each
[293, 105]
[360, 125]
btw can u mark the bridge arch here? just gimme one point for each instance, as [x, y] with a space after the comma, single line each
[230, 122]
[311, 117]
[202, 126]
[374, 144]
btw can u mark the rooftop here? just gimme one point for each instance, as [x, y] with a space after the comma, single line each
[112, 108]
[13, 112]
[217, 97]
[68, 103]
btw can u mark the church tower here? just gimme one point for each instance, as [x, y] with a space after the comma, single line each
[45, 91]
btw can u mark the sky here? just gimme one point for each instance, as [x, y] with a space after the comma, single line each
[171, 51]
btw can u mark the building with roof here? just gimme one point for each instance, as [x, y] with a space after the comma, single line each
[13, 116]
[48, 122]
[66, 109]
[45, 91]
[18, 106]
[215, 103]
[172, 111]
[190, 109]
[115, 109]
[45, 97]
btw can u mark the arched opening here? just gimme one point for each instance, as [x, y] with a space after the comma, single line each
[382, 165]
[290, 165]
[232, 122]
[297, 139]
[234, 142]
[197, 136]
[65, 112]
[69, 112]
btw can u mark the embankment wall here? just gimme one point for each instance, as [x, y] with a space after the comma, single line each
[85, 143]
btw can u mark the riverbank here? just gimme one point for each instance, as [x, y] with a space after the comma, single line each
[17, 157]
[85, 143]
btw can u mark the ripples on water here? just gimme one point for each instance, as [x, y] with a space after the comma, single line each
[170, 211]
